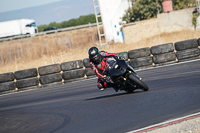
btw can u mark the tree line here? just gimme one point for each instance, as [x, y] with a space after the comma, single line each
[72, 22]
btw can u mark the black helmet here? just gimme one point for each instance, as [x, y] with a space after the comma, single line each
[94, 54]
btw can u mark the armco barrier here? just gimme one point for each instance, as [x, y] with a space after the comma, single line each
[80, 69]
[187, 50]
[7, 82]
[50, 74]
[26, 78]
[163, 54]
[140, 58]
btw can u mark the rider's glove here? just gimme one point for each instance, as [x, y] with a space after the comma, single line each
[106, 78]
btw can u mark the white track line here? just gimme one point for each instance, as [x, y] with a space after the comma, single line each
[164, 124]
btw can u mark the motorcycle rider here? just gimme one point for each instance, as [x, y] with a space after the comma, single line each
[98, 61]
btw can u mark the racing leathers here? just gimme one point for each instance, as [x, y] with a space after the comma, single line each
[100, 70]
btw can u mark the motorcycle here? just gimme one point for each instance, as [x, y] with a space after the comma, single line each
[124, 76]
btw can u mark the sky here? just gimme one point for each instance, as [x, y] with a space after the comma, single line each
[45, 11]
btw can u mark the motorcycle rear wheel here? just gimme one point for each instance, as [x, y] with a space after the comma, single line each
[138, 82]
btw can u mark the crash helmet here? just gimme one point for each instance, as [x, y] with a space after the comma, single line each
[94, 54]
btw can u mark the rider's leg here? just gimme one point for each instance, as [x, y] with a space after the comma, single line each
[103, 85]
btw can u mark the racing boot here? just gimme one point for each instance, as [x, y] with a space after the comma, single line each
[100, 86]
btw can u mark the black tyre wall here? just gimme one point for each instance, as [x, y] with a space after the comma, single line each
[161, 49]
[28, 73]
[89, 72]
[138, 53]
[141, 62]
[6, 77]
[50, 69]
[27, 83]
[68, 75]
[47, 79]
[189, 53]
[7, 86]
[188, 44]
[66, 66]
[86, 63]
[166, 57]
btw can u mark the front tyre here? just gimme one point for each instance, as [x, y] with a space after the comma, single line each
[138, 82]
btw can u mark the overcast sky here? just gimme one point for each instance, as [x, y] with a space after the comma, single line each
[10, 5]
[45, 11]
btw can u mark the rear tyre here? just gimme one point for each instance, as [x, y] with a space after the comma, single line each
[138, 82]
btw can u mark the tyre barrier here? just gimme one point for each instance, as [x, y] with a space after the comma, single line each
[80, 69]
[51, 78]
[89, 73]
[164, 58]
[73, 70]
[6, 77]
[26, 83]
[143, 62]
[188, 44]
[140, 58]
[7, 82]
[187, 50]
[66, 66]
[28, 73]
[124, 55]
[7, 86]
[26, 78]
[73, 74]
[198, 42]
[50, 69]
[86, 62]
[50, 74]
[188, 54]
[161, 49]
[138, 53]
[163, 54]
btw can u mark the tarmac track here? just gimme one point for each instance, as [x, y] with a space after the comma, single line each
[81, 107]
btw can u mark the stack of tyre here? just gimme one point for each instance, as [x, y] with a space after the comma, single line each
[72, 70]
[163, 54]
[88, 71]
[7, 82]
[187, 50]
[50, 75]
[140, 58]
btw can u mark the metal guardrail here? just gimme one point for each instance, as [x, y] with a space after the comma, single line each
[48, 32]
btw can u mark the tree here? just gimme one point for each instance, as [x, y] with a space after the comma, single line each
[145, 9]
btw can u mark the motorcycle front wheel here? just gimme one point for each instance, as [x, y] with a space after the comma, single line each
[138, 82]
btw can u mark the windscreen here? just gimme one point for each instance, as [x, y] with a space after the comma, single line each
[33, 24]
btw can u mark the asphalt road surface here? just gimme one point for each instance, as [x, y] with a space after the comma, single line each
[81, 107]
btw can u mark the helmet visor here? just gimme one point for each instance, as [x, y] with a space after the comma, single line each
[96, 58]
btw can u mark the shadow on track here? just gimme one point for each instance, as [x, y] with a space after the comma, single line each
[113, 95]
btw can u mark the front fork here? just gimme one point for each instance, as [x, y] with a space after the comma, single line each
[131, 71]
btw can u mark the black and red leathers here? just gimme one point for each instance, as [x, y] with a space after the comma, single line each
[99, 68]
